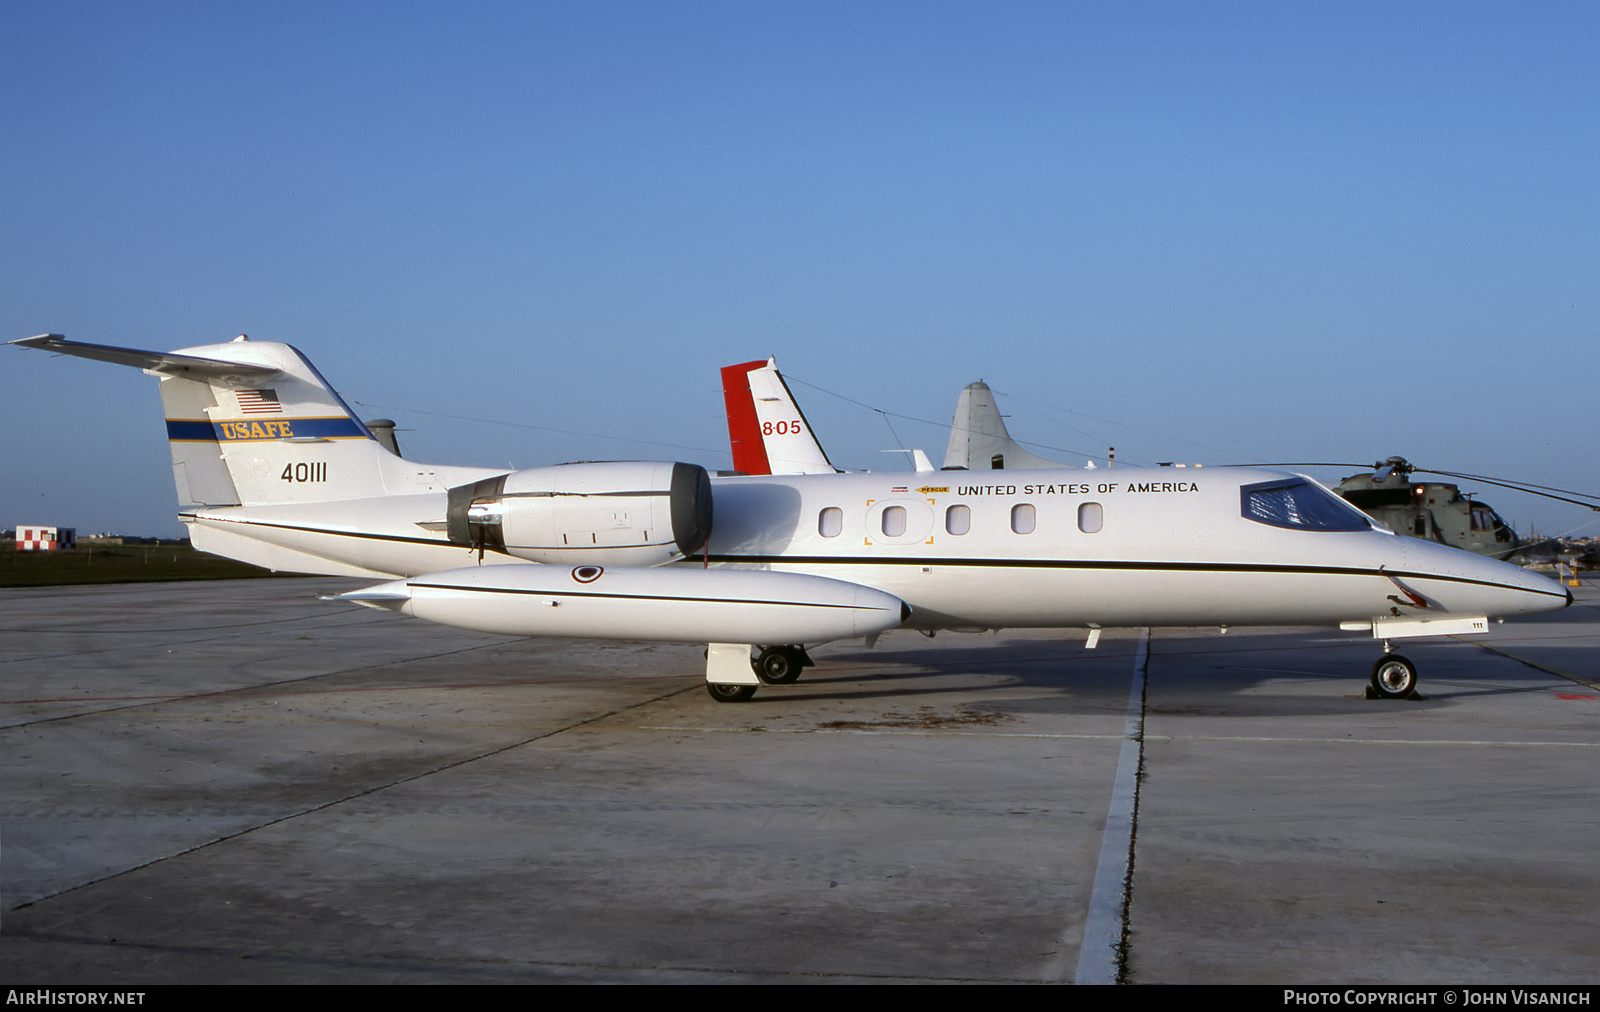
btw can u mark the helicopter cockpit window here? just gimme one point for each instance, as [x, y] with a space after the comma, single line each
[1300, 505]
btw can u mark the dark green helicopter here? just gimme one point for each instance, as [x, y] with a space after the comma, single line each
[1438, 511]
[1430, 510]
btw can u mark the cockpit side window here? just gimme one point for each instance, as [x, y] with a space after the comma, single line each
[1300, 505]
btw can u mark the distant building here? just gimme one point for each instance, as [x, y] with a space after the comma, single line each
[46, 539]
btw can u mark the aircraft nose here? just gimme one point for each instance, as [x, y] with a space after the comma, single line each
[1464, 583]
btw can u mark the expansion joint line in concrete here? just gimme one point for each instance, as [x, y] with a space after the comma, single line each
[264, 689]
[1547, 669]
[551, 732]
[1103, 954]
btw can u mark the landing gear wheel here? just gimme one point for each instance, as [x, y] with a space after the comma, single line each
[779, 665]
[1394, 677]
[723, 693]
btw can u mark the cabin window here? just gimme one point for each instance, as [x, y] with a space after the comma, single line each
[1299, 504]
[1023, 518]
[894, 521]
[1485, 519]
[1091, 517]
[830, 522]
[958, 520]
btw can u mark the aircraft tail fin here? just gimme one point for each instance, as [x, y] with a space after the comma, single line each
[979, 440]
[767, 431]
[252, 422]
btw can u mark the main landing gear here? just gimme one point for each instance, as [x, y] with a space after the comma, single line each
[1393, 677]
[779, 665]
[730, 693]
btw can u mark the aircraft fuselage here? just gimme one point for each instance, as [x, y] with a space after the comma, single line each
[272, 467]
[1113, 547]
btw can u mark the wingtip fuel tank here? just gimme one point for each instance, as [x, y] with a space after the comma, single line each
[675, 604]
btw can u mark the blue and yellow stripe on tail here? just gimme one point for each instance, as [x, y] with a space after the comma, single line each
[203, 430]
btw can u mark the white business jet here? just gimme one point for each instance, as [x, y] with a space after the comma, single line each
[273, 468]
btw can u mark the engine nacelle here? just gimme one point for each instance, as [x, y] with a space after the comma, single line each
[614, 513]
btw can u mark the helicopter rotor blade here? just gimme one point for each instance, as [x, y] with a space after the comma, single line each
[1523, 486]
[1520, 487]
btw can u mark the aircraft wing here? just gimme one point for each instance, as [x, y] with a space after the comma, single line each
[766, 429]
[161, 363]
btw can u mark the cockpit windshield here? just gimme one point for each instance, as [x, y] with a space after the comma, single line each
[1301, 505]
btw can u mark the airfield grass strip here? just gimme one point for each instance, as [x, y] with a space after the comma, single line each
[89, 564]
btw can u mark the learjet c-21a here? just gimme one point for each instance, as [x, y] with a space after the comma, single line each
[273, 468]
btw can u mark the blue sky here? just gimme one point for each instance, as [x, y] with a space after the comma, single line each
[532, 232]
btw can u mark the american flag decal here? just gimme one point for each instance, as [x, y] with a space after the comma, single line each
[259, 402]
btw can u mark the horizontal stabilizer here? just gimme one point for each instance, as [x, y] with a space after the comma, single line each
[162, 363]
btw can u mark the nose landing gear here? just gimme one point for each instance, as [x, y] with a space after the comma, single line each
[1393, 677]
